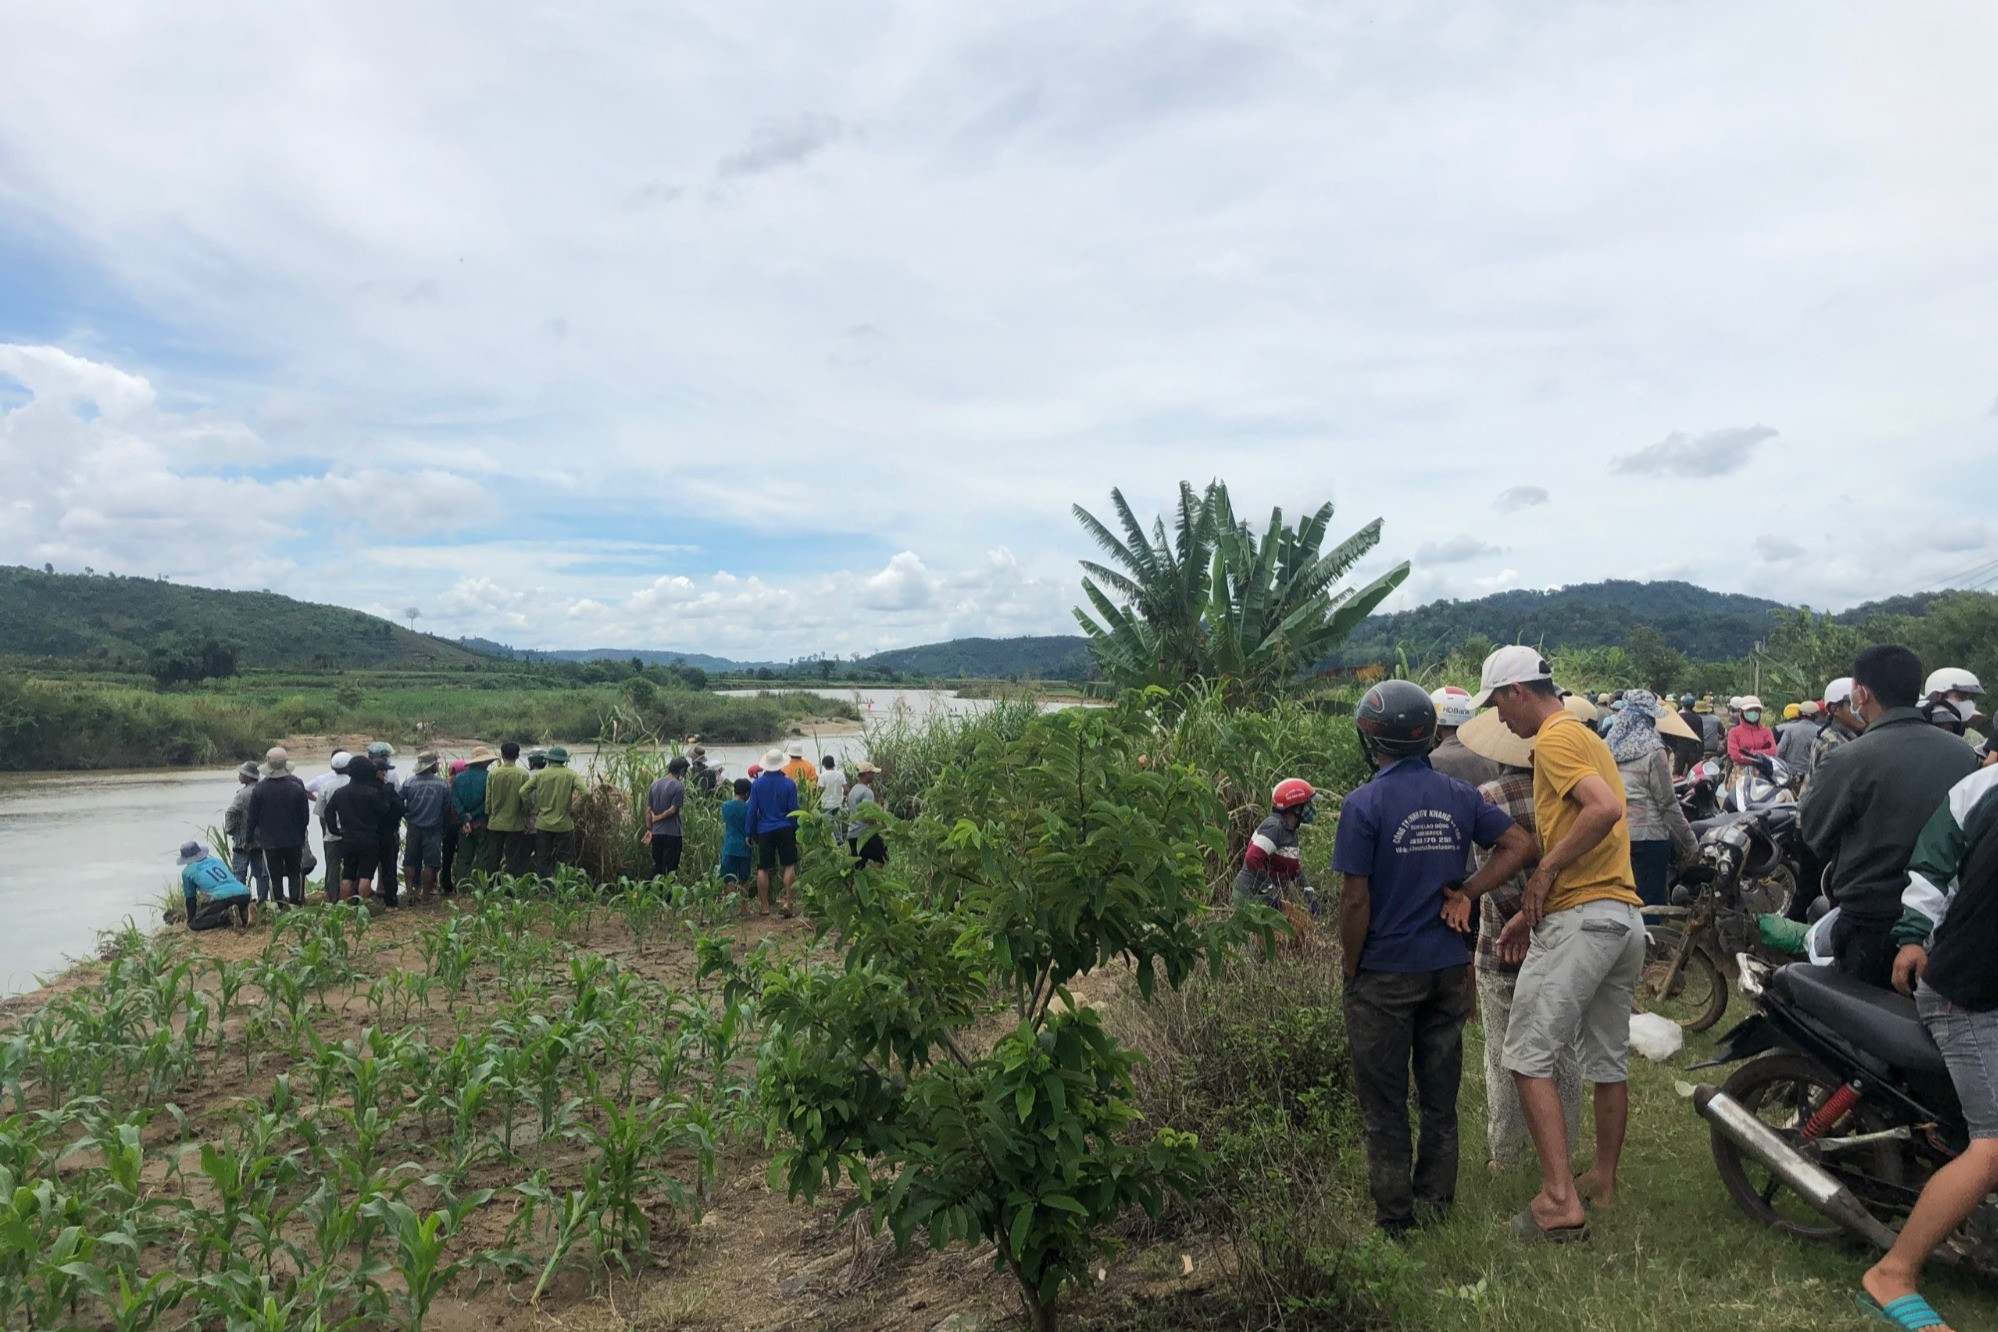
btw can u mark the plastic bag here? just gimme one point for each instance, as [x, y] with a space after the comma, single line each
[1655, 1036]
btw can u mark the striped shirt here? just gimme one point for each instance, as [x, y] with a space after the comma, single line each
[1512, 793]
[1271, 863]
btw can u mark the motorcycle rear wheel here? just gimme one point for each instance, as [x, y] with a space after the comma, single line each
[1783, 1090]
[1696, 996]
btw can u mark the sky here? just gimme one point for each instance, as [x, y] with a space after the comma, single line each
[778, 328]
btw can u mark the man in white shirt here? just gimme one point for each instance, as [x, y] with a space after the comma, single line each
[832, 787]
[321, 789]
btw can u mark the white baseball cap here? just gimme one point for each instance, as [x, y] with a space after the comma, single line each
[1839, 691]
[1453, 706]
[1518, 664]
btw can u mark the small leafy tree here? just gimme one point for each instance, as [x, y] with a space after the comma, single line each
[1805, 650]
[1048, 855]
[1659, 666]
[177, 658]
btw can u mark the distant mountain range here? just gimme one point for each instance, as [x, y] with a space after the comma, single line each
[114, 620]
[1049, 657]
[650, 656]
[1706, 626]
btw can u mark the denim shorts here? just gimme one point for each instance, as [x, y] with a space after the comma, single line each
[1969, 1044]
[1575, 990]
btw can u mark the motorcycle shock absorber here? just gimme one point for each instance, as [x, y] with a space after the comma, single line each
[1836, 1107]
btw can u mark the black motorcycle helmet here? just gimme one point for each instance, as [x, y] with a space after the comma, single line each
[1395, 719]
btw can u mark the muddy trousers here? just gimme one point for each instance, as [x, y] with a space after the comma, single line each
[1395, 1021]
[287, 874]
[552, 850]
[508, 852]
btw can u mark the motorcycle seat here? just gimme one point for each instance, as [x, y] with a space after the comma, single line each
[1776, 817]
[1880, 1022]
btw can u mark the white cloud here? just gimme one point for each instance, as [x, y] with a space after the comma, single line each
[782, 145]
[1498, 582]
[102, 476]
[1777, 550]
[1713, 453]
[1457, 550]
[965, 266]
[903, 586]
[1515, 498]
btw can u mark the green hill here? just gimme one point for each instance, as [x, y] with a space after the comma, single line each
[112, 621]
[1047, 657]
[1706, 626]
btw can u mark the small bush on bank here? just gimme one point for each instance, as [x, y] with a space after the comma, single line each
[1255, 1062]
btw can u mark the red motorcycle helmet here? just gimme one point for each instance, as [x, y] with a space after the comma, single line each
[1291, 793]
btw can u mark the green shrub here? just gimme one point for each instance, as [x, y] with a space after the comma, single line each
[1254, 1061]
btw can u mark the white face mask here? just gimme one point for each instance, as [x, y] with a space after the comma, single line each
[1966, 708]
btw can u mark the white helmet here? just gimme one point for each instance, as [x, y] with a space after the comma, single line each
[1952, 679]
[1839, 691]
[1453, 706]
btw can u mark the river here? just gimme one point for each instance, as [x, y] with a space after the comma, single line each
[82, 851]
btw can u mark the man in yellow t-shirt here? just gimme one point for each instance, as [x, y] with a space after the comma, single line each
[1586, 950]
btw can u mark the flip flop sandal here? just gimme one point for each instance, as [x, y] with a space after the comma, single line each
[1911, 1313]
[1524, 1227]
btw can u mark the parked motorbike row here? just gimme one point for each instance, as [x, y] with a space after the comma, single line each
[1841, 1108]
[1746, 868]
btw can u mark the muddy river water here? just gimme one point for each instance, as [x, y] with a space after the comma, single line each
[80, 852]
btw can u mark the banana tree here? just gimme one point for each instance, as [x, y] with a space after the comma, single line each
[1217, 603]
[1273, 612]
[1155, 636]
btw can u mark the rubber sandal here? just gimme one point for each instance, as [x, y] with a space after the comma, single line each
[1911, 1313]
[1524, 1227]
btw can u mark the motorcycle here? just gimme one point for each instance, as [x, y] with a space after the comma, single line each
[1698, 790]
[1764, 780]
[1841, 1114]
[1746, 868]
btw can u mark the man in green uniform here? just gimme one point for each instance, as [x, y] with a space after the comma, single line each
[468, 792]
[507, 847]
[551, 794]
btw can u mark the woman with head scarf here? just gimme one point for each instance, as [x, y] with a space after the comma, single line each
[1659, 833]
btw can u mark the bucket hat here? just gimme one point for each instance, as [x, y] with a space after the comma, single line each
[558, 754]
[481, 754]
[249, 768]
[190, 852]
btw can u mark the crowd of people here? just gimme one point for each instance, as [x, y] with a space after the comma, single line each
[384, 834]
[1498, 862]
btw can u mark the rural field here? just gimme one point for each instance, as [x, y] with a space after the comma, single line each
[617, 1102]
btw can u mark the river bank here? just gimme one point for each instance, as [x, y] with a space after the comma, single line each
[81, 724]
[80, 851]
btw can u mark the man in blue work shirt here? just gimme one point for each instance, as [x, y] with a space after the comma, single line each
[1403, 845]
[213, 895]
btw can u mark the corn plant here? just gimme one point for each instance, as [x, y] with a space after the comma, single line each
[419, 1243]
